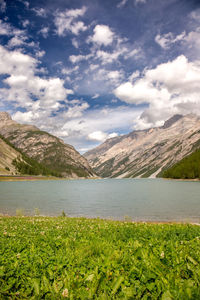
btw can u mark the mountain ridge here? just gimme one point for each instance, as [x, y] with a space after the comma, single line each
[146, 153]
[45, 148]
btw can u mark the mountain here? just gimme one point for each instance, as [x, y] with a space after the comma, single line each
[14, 162]
[147, 153]
[7, 155]
[187, 168]
[45, 148]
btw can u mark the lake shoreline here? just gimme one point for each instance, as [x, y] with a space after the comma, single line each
[20, 178]
[38, 178]
[101, 219]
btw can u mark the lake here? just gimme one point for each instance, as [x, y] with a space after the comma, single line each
[138, 199]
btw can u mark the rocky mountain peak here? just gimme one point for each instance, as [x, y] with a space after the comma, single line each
[4, 116]
[171, 121]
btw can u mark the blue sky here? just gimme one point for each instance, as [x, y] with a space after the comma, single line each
[90, 70]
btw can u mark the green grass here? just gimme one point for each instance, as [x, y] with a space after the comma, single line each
[77, 258]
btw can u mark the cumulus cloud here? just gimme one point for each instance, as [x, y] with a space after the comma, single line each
[96, 125]
[101, 136]
[192, 43]
[17, 37]
[103, 35]
[170, 88]
[67, 21]
[97, 136]
[23, 88]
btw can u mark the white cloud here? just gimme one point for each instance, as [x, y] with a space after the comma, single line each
[106, 121]
[44, 31]
[40, 53]
[5, 28]
[68, 71]
[24, 85]
[103, 35]
[115, 76]
[166, 40]
[97, 136]
[122, 3]
[109, 57]
[95, 96]
[67, 21]
[134, 53]
[192, 43]
[101, 136]
[170, 88]
[40, 12]
[77, 58]
[134, 75]
[17, 41]
[93, 67]
[195, 15]
[75, 43]
[25, 23]
[17, 37]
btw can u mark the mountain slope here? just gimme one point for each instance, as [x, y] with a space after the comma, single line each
[15, 162]
[45, 148]
[147, 153]
[187, 168]
[7, 155]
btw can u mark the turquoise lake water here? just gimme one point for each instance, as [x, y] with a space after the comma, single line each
[139, 199]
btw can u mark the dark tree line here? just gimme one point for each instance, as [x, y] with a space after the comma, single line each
[187, 168]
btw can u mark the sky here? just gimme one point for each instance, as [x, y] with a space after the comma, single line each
[89, 70]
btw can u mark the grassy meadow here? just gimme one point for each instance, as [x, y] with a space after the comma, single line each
[78, 258]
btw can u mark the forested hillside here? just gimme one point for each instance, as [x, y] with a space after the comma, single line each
[26, 165]
[187, 168]
[44, 148]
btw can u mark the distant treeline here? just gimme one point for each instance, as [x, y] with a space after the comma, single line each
[187, 168]
[29, 166]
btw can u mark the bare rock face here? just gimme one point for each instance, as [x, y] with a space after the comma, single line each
[147, 153]
[7, 155]
[45, 148]
[4, 116]
[171, 121]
